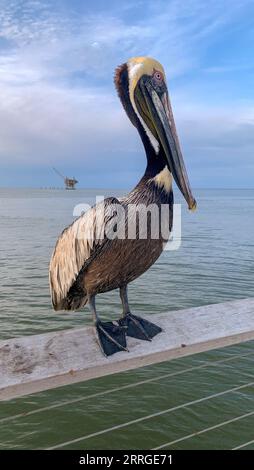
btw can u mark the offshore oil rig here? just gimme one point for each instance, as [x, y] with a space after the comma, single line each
[70, 183]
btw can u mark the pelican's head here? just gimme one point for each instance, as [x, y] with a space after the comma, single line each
[141, 84]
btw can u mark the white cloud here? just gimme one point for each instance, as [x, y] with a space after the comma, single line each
[45, 124]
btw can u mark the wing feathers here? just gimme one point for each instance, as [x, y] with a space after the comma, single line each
[74, 250]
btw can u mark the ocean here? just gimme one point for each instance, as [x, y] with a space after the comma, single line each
[213, 264]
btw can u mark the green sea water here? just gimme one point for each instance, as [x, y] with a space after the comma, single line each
[206, 400]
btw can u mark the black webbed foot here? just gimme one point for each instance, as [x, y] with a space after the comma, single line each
[112, 337]
[139, 328]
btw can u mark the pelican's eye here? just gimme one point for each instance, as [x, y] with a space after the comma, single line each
[157, 77]
[158, 81]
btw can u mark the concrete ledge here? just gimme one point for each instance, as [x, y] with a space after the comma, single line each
[34, 363]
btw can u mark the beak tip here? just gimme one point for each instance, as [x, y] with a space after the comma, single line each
[193, 205]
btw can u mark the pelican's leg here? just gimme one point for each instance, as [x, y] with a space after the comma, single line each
[111, 336]
[137, 327]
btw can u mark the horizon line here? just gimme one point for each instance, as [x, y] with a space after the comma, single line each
[52, 188]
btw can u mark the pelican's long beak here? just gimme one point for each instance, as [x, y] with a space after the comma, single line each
[157, 113]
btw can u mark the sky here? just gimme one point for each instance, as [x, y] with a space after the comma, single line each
[59, 107]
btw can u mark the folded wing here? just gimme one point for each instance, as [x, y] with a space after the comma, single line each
[75, 249]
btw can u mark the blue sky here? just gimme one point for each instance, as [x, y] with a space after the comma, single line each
[58, 105]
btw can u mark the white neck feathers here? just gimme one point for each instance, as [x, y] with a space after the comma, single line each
[163, 179]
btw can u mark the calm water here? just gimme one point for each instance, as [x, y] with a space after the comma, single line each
[214, 264]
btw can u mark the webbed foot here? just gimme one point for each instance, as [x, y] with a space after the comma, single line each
[139, 328]
[112, 337]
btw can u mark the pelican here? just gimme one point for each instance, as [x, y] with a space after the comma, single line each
[85, 263]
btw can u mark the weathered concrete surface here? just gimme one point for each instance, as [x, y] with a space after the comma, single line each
[35, 363]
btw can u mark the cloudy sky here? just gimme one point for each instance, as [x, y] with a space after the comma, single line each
[58, 105]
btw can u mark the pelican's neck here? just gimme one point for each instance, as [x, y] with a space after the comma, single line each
[157, 171]
[153, 189]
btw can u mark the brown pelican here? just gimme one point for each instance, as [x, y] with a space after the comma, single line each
[83, 266]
